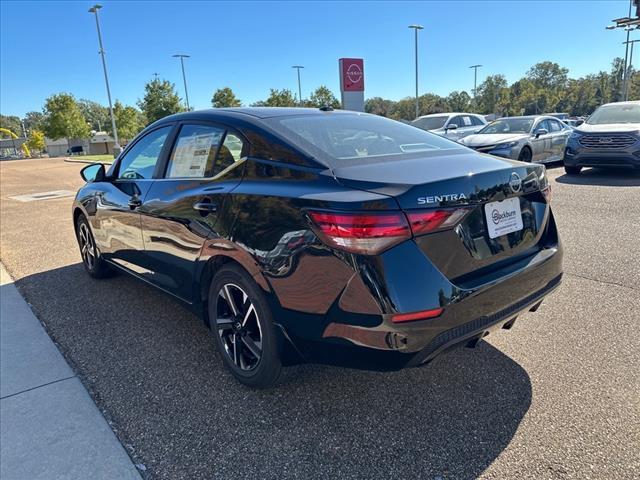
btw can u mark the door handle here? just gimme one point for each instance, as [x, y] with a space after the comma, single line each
[134, 202]
[205, 207]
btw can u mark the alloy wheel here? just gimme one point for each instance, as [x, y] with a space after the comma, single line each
[87, 247]
[238, 327]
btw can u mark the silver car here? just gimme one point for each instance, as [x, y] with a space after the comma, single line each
[454, 125]
[529, 139]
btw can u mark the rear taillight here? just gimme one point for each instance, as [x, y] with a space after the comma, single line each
[414, 316]
[427, 221]
[364, 233]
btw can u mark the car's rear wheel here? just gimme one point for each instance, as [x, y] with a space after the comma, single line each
[572, 170]
[243, 328]
[525, 155]
[92, 260]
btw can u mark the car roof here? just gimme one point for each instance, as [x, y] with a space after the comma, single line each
[631, 102]
[256, 112]
[449, 114]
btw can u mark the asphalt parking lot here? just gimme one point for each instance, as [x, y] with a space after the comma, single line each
[556, 397]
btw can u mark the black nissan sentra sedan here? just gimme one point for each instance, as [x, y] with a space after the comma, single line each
[305, 235]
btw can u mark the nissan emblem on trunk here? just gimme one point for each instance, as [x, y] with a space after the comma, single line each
[515, 183]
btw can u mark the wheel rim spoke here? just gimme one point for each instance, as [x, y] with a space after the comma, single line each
[252, 346]
[224, 323]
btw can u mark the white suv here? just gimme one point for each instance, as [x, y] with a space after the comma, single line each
[453, 126]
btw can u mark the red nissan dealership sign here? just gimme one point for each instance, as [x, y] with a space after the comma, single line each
[352, 74]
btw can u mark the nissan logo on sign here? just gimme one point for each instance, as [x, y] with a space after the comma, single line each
[352, 74]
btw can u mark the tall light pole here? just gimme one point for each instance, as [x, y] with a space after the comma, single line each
[475, 79]
[416, 28]
[298, 67]
[116, 145]
[629, 67]
[627, 23]
[182, 56]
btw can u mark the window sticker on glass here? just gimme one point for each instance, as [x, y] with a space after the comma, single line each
[193, 154]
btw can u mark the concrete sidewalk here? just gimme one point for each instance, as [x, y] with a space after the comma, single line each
[49, 426]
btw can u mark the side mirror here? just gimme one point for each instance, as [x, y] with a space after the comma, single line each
[451, 126]
[93, 173]
[541, 131]
[579, 122]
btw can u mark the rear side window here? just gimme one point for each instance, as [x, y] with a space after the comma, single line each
[140, 161]
[194, 153]
[229, 153]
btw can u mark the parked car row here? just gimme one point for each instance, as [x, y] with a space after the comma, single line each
[609, 137]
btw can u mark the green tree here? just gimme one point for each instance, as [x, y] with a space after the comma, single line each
[12, 123]
[224, 97]
[33, 121]
[63, 118]
[278, 98]
[379, 106]
[321, 97]
[36, 140]
[488, 94]
[96, 115]
[160, 100]
[127, 121]
[459, 101]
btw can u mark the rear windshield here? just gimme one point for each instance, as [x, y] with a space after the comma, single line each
[344, 139]
[629, 113]
[430, 123]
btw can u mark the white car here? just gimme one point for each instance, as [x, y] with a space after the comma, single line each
[453, 126]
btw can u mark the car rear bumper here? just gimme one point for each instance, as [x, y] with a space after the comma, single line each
[374, 342]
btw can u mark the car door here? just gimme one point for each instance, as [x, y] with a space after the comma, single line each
[180, 211]
[116, 222]
[452, 133]
[541, 143]
[466, 127]
[559, 135]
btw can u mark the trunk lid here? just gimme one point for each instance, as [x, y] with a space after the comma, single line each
[462, 179]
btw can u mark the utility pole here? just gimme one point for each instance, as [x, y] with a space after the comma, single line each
[298, 67]
[116, 144]
[415, 29]
[629, 67]
[184, 78]
[475, 79]
[628, 23]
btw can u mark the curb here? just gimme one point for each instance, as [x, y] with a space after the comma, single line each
[73, 160]
[50, 428]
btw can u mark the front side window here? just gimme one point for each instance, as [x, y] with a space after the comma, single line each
[543, 125]
[457, 121]
[345, 138]
[140, 161]
[194, 153]
[555, 126]
[477, 122]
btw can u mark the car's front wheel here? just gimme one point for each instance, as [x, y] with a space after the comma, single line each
[243, 328]
[572, 170]
[525, 155]
[93, 262]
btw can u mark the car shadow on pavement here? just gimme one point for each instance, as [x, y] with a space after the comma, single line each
[152, 367]
[604, 177]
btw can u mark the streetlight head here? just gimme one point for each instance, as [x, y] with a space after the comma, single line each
[475, 66]
[417, 27]
[610, 27]
[178, 55]
[95, 8]
[297, 66]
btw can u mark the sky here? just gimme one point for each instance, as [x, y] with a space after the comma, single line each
[50, 46]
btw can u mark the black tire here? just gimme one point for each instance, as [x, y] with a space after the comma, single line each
[92, 260]
[572, 170]
[243, 330]
[525, 155]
